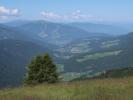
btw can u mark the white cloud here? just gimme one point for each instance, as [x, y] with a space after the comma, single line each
[50, 15]
[73, 16]
[14, 12]
[79, 15]
[7, 12]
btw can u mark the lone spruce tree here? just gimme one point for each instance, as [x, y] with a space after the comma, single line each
[41, 70]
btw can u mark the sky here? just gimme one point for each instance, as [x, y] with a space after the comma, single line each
[67, 10]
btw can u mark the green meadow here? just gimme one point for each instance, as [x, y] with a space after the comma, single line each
[95, 89]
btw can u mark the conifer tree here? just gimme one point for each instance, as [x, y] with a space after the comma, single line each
[41, 70]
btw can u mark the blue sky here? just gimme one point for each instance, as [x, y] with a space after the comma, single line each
[68, 10]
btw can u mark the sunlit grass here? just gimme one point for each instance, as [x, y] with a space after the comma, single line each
[106, 89]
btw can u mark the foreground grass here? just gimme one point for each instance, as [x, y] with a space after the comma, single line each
[106, 89]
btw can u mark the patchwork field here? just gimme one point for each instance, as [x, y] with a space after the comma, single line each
[98, 55]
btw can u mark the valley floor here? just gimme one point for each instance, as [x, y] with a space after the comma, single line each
[104, 89]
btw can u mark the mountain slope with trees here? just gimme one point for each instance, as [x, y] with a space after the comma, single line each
[14, 56]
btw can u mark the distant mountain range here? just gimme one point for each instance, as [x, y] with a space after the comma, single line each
[101, 28]
[10, 33]
[74, 48]
[55, 33]
[61, 33]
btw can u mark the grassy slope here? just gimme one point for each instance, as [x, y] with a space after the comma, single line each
[106, 89]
